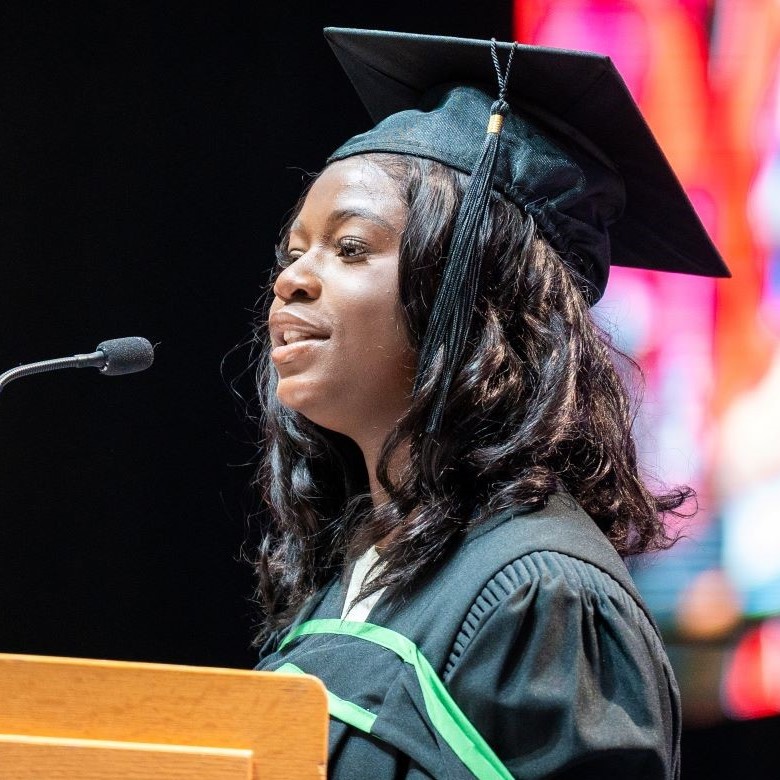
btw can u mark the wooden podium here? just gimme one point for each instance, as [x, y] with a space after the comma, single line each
[73, 719]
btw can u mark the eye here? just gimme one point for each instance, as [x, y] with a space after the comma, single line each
[286, 256]
[350, 247]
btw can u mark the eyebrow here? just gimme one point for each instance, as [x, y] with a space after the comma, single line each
[343, 214]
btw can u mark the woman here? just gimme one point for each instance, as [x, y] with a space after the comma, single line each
[450, 470]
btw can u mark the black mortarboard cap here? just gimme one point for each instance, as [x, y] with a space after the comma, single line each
[574, 152]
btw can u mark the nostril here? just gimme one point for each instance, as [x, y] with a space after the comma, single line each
[302, 292]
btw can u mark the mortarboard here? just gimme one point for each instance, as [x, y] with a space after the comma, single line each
[572, 150]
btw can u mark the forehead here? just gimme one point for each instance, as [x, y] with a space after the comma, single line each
[355, 183]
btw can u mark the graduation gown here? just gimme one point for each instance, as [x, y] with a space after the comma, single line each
[527, 654]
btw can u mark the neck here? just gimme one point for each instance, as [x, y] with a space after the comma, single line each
[371, 448]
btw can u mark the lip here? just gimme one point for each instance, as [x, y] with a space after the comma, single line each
[283, 320]
[287, 353]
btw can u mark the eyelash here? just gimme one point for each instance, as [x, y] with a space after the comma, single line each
[353, 244]
[349, 248]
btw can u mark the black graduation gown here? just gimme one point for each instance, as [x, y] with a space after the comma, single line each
[539, 637]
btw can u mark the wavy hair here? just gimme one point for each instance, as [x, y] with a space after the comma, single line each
[537, 405]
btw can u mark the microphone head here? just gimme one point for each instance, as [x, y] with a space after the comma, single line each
[126, 356]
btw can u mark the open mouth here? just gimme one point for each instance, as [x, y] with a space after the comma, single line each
[297, 336]
[293, 335]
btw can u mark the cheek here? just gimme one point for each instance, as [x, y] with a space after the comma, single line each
[375, 335]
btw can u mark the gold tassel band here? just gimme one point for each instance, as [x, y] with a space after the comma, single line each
[495, 124]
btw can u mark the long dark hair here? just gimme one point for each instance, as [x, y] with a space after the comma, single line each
[537, 405]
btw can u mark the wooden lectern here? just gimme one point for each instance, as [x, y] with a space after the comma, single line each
[73, 719]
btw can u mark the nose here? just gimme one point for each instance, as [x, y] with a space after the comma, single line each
[298, 281]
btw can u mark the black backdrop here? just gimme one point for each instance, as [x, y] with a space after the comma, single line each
[148, 154]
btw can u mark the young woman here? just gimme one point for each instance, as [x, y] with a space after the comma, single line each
[449, 464]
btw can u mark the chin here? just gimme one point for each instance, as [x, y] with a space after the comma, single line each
[304, 398]
[295, 395]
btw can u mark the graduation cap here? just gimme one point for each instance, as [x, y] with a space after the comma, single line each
[555, 131]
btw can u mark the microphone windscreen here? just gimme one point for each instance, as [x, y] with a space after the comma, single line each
[126, 356]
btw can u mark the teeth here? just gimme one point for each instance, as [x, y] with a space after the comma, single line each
[291, 336]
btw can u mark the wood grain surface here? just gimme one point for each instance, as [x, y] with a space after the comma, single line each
[281, 720]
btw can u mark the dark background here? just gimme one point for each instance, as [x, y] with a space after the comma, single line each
[148, 154]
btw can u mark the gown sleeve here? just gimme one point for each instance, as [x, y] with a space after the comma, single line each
[565, 675]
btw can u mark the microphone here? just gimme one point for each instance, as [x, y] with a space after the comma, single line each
[112, 358]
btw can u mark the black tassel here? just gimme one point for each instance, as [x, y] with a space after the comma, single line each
[450, 320]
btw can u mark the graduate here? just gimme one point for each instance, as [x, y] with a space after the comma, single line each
[449, 467]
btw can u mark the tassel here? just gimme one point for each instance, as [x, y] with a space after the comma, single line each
[448, 327]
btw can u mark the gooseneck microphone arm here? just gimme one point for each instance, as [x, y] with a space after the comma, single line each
[112, 358]
[96, 359]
